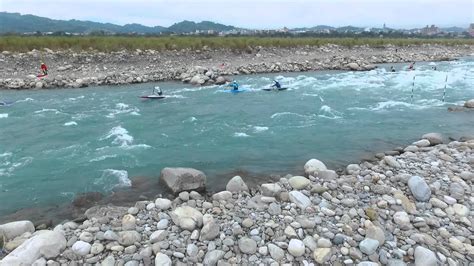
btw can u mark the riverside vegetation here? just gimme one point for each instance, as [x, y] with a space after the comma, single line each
[411, 207]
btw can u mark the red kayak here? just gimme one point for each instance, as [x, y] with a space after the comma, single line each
[41, 75]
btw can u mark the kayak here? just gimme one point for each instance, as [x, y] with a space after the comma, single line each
[41, 75]
[235, 91]
[153, 97]
[6, 103]
[275, 89]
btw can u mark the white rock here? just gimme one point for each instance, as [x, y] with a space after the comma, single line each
[296, 247]
[162, 204]
[313, 166]
[162, 224]
[299, 199]
[422, 143]
[128, 222]
[97, 248]
[81, 248]
[14, 229]
[162, 260]
[322, 255]
[187, 217]
[460, 209]
[352, 169]
[128, 238]
[47, 244]
[425, 257]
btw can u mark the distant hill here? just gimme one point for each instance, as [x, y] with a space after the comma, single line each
[189, 26]
[17, 23]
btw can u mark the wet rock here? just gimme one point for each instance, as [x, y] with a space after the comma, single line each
[181, 179]
[433, 138]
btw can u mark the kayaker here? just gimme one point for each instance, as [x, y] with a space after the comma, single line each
[276, 84]
[412, 66]
[392, 69]
[234, 85]
[157, 91]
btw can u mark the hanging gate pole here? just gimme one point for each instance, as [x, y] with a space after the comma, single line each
[445, 84]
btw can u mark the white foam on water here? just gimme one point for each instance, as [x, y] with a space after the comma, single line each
[327, 112]
[120, 135]
[258, 129]
[103, 157]
[4, 115]
[56, 111]
[123, 108]
[177, 96]
[112, 178]
[277, 115]
[189, 120]
[25, 100]
[123, 139]
[241, 135]
[76, 98]
[416, 105]
[9, 165]
[70, 123]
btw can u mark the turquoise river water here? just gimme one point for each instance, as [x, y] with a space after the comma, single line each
[55, 144]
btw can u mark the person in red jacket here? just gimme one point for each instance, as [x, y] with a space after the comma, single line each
[44, 69]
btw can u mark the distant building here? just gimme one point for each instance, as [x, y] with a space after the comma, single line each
[471, 29]
[430, 31]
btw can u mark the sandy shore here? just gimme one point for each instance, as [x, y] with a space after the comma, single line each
[86, 68]
[412, 207]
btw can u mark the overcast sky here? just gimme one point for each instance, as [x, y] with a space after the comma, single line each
[256, 13]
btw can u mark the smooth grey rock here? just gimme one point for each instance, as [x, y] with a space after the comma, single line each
[276, 252]
[433, 138]
[419, 188]
[299, 182]
[270, 190]
[162, 204]
[236, 184]
[369, 246]
[128, 238]
[223, 195]
[247, 245]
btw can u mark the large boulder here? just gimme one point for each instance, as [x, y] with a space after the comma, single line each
[199, 79]
[14, 229]
[313, 166]
[47, 244]
[419, 188]
[236, 184]
[353, 66]
[433, 138]
[469, 103]
[182, 179]
[220, 80]
[187, 217]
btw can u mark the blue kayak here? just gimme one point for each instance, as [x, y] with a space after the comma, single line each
[235, 91]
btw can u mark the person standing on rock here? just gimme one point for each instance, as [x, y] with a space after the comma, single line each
[44, 69]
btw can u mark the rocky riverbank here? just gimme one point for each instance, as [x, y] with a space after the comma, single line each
[414, 206]
[200, 67]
